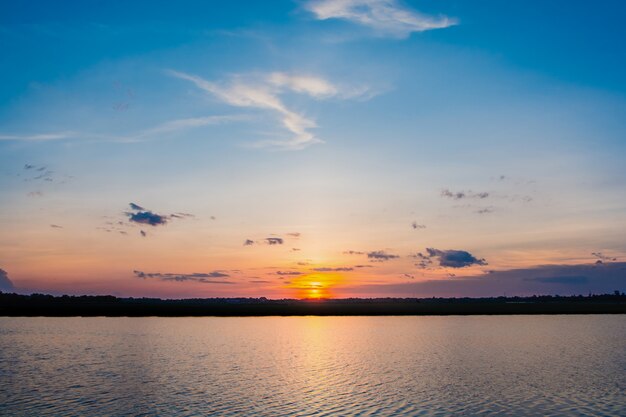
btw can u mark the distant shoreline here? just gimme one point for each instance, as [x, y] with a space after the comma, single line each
[110, 306]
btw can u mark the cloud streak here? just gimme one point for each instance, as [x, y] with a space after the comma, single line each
[380, 256]
[459, 195]
[386, 17]
[338, 269]
[239, 93]
[202, 277]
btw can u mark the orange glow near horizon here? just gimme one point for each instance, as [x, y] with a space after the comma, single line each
[315, 286]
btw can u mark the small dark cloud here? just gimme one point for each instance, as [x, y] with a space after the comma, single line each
[458, 195]
[203, 277]
[288, 273]
[353, 252]
[56, 226]
[380, 256]
[5, 282]
[560, 280]
[294, 234]
[416, 226]
[363, 266]
[454, 258]
[409, 276]
[28, 166]
[141, 215]
[485, 210]
[248, 242]
[338, 269]
[260, 281]
[142, 233]
[212, 217]
[295, 249]
[274, 240]
[147, 217]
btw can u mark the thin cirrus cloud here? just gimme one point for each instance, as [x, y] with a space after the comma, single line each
[202, 277]
[380, 256]
[40, 137]
[337, 269]
[263, 92]
[163, 129]
[459, 195]
[386, 17]
[288, 273]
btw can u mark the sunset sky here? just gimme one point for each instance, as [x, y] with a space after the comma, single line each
[314, 148]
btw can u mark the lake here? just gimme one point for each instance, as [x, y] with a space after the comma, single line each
[322, 366]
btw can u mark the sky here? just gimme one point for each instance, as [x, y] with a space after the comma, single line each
[313, 148]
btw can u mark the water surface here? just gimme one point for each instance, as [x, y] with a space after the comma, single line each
[286, 366]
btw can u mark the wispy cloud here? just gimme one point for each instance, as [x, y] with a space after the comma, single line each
[386, 17]
[189, 123]
[337, 269]
[261, 95]
[263, 92]
[313, 86]
[160, 130]
[288, 273]
[602, 257]
[38, 137]
[459, 195]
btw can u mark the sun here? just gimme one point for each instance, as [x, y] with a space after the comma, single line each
[315, 286]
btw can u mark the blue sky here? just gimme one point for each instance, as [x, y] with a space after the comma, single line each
[494, 129]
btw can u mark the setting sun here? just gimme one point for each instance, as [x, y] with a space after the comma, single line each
[315, 286]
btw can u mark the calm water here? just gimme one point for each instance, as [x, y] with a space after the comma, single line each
[286, 366]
